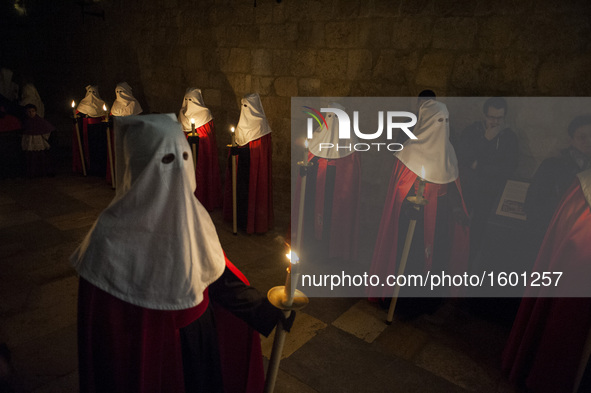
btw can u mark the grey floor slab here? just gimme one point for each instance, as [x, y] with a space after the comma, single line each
[335, 361]
[42, 221]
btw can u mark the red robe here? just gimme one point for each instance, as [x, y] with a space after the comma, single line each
[341, 240]
[207, 174]
[9, 123]
[10, 147]
[255, 187]
[385, 257]
[546, 343]
[126, 348]
[95, 157]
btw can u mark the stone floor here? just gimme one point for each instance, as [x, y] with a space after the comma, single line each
[336, 345]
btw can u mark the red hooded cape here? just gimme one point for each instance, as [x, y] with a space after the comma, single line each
[93, 155]
[207, 173]
[546, 343]
[343, 227]
[255, 197]
[126, 348]
[385, 255]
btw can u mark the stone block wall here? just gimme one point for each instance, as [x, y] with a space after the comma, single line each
[229, 48]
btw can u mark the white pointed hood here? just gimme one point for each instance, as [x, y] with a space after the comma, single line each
[125, 104]
[194, 108]
[92, 104]
[155, 245]
[432, 150]
[8, 88]
[253, 122]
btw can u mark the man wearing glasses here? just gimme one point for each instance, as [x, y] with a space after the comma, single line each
[487, 156]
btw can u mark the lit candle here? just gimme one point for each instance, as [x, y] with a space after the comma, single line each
[106, 111]
[306, 152]
[233, 136]
[74, 108]
[421, 185]
[292, 277]
[192, 127]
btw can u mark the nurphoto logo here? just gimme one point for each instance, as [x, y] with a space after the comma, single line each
[393, 120]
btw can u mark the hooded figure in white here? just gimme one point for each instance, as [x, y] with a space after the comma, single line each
[154, 246]
[92, 104]
[8, 88]
[432, 150]
[336, 232]
[253, 122]
[194, 108]
[432, 158]
[125, 104]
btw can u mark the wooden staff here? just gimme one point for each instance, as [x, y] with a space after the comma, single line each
[234, 198]
[78, 138]
[109, 148]
[286, 298]
[289, 290]
[417, 203]
[193, 146]
[303, 174]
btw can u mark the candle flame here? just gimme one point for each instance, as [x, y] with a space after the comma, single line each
[292, 257]
[422, 171]
[306, 143]
[104, 107]
[192, 121]
[73, 104]
[232, 129]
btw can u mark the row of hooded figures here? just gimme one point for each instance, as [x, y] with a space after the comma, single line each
[462, 183]
[95, 152]
[427, 166]
[483, 159]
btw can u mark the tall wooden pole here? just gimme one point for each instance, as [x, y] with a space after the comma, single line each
[78, 138]
[234, 195]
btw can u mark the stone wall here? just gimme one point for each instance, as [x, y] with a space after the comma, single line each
[302, 48]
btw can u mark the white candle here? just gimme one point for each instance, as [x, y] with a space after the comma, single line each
[192, 127]
[306, 152]
[106, 111]
[292, 277]
[233, 136]
[74, 108]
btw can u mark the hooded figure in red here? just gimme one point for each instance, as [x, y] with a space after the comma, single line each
[254, 177]
[440, 239]
[91, 112]
[209, 185]
[159, 303]
[545, 346]
[331, 207]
